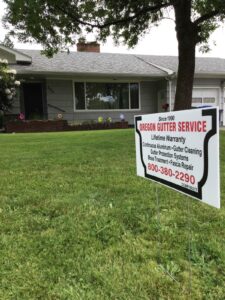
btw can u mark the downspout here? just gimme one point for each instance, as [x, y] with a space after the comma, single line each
[170, 92]
[169, 78]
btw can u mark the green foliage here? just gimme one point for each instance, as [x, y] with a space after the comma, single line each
[1, 120]
[8, 85]
[7, 42]
[55, 23]
[77, 223]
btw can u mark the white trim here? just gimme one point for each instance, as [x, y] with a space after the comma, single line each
[129, 100]
[223, 117]
[117, 76]
[170, 94]
[85, 96]
[223, 95]
[103, 79]
[206, 87]
[139, 86]
[73, 93]
[105, 110]
[106, 80]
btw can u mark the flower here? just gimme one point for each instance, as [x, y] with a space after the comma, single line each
[3, 61]
[9, 97]
[11, 71]
[21, 116]
[122, 117]
[7, 91]
[100, 119]
[59, 116]
[17, 83]
[109, 120]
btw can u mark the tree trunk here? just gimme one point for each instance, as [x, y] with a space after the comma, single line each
[187, 40]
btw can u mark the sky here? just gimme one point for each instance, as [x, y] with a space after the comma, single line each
[160, 40]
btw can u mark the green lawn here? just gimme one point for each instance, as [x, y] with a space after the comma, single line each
[77, 223]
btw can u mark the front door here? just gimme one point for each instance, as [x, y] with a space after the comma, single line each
[33, 100]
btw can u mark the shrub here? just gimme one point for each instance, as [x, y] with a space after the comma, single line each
[8, 85]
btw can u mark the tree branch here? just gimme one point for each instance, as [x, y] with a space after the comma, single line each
[207, 16]
[129, 19]
[152, 9]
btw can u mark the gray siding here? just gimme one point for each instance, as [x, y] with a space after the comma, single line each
[208, 82]
[148, 91]
[60, 97]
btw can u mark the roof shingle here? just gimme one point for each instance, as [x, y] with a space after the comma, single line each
[87, 63]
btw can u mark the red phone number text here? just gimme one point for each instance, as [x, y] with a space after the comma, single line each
[170, 173]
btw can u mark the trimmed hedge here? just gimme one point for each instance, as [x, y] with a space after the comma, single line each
[57, 125]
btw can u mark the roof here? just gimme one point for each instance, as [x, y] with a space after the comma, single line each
[203, 65]
[113, 64]
[17, 55]
[89, 63]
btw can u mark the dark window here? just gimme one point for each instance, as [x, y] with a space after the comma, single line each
[33, 100]
[134, 95]
[79, 95]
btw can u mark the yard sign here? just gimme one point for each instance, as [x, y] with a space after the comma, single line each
[181, 150]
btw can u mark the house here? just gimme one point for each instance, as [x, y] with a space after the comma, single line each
[83, 85]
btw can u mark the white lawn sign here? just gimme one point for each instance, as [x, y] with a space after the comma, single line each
[181, 150]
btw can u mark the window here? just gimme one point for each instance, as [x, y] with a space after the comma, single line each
[106, 95]
[196, 100]
[209, 100]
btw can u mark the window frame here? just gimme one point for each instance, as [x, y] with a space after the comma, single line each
[106, 110]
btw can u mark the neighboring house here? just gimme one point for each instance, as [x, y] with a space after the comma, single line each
[83, 85]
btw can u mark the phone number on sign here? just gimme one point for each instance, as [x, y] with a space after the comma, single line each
[170, 173]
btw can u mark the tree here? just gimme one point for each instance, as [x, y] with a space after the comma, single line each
[53, 23]
[8, 86]
[7, 42]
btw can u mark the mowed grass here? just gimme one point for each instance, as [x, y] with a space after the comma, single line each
[77, 223]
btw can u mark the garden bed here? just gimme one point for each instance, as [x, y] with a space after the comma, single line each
[57, 125]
